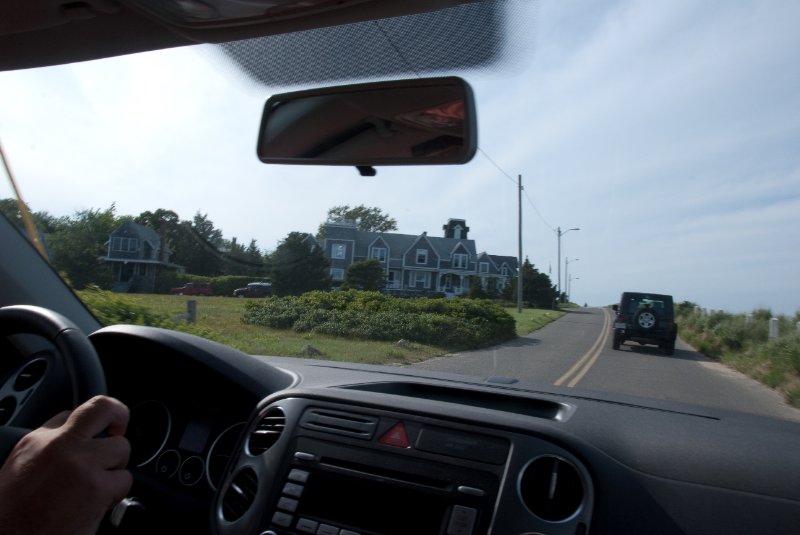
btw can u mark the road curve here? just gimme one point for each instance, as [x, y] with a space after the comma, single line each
[575, 351]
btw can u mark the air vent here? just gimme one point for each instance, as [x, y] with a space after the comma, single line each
[240, 495]
[7, 407]
[267, 432]
[31, 374]
[552, 488]
[340, 423]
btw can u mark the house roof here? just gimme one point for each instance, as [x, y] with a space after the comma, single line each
[500, 260]
[397, 243]
[131, 229]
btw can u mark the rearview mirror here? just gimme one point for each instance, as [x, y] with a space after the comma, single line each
[407, 122]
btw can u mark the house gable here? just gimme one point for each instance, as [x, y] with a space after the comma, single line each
[421, 254]
[379, 250]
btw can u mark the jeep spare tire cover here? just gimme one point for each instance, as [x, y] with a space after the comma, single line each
[645, 319]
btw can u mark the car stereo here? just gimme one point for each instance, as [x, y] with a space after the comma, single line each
[331, 488]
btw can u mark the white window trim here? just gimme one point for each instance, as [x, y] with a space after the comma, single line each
[378, 253]
[460, 260]
[424, 253]
[126, 245]
[420, 276]
[338, 251]
[337, 274]
[483, 267]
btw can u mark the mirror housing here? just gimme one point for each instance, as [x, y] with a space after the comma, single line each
[407, 122]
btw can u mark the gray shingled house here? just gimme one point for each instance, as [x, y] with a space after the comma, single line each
[136, 254]
[421, 262]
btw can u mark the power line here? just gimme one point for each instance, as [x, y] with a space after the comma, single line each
[548, 225]
[536, 210]
[497, 166]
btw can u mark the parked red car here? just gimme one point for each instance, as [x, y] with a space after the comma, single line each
[193, 288]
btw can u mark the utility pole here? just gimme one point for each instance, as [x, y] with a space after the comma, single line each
[519, 261]
[559, 233]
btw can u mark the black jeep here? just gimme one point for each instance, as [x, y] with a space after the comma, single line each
[647, 319]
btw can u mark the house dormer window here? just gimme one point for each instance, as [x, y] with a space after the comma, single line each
[457, 232]
[378, 253]
[422, 256]
[124, 245]
[460, 261]
[339, 250]
[504, 271]
[483, 267]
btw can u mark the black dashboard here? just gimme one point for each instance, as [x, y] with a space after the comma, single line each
[229, 443]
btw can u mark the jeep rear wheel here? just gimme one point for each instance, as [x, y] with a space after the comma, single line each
[645, 319]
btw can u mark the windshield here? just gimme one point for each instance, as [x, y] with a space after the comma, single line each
[656, 149]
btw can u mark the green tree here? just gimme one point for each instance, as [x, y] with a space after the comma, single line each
[78, 243]
[537, 288]
[298, 267]
[365, 275]
[198, 246]
[366, 218]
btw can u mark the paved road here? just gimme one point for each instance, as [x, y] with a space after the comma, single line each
[575, 351]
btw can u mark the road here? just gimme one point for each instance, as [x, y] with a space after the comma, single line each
[575, 351]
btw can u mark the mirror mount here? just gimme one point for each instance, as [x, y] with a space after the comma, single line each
[366, 170]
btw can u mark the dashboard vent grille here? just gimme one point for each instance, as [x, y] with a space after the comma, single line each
[340, 423]
[267, 432]
[552, 488]
[240, 495]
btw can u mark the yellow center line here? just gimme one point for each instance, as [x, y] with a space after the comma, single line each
[589, 358]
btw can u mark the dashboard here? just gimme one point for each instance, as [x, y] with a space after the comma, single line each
[227, 443]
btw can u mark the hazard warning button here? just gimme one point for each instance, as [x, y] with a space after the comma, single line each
[396, 436]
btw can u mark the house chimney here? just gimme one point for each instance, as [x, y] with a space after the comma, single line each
[456, 229]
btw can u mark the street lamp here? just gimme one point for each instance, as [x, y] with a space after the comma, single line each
[569, 285]
[560, 233]
[566, 273]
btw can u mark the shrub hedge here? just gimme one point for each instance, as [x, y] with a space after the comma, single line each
[449, 323]
[113, 309]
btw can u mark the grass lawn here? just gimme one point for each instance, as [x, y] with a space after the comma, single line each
[222, 316]
[532, 319]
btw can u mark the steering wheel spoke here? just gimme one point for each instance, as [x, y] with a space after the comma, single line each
[45, 381]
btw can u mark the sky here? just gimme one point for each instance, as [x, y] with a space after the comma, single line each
[667, 132]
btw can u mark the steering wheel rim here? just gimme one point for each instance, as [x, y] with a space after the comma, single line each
[73, 348]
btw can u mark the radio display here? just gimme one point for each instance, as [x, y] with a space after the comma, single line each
[384, 507]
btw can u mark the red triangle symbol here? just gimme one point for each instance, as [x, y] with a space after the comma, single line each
[396, 436]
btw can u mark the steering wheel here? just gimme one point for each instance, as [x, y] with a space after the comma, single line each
[30, 393]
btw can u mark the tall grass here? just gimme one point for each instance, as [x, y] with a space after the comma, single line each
[742, 342]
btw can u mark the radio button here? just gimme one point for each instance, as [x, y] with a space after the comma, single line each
[327, 529]
[306, 525]
[303, 456]
[293, 489]
[298, 476]
[462, 520]
[282, 519]
[288, 504]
